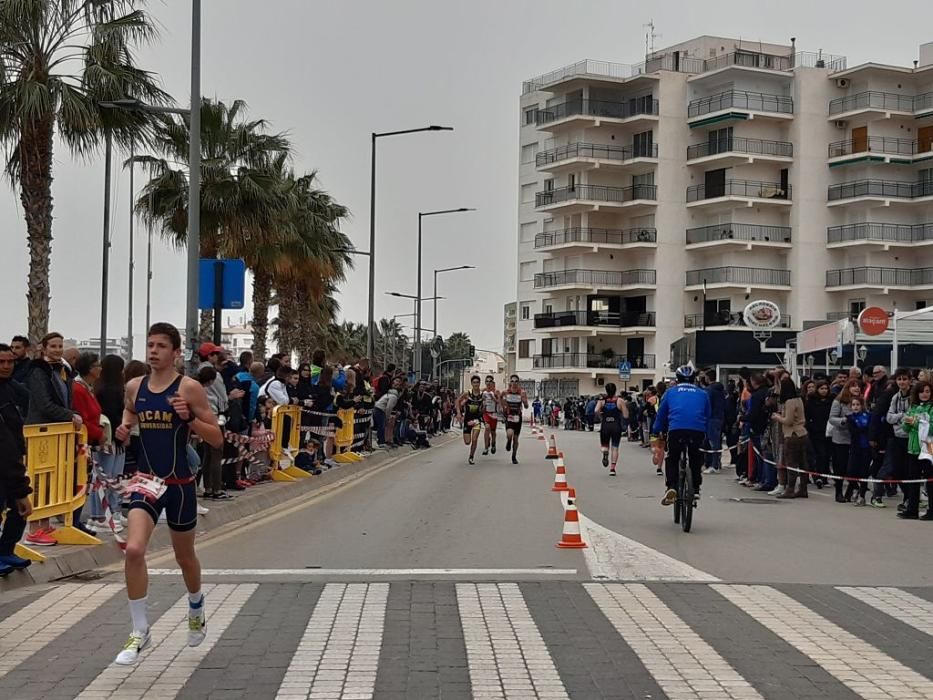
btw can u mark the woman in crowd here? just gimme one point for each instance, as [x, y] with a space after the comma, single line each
[134, 368]
[87, 368]
[109, 392]
[921, 410]
[841, 438]
[816, 408]
[858, 422]
[793, 424]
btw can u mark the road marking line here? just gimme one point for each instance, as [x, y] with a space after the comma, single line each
[901, 605]
[371, 572]
[338, 655]
[33, 627]
[682, 663]
[506, 654]
[863, 668]
[165, 667]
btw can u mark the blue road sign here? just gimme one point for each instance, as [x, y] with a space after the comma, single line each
[234, 283]
[625, 371]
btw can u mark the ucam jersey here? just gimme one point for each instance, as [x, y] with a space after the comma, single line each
[163, 436]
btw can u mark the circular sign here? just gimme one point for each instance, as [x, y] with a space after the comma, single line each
[762, 315]
[873, 320]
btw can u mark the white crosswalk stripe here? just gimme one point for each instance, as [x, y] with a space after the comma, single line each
[167, 664]
[679, 660]
[338, 655]
[901, 605]
[506, 654]
[29, 630]
[864, 669]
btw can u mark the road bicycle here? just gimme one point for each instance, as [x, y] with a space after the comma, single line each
[683, 506]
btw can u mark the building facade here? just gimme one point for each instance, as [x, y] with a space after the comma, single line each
[657, 200]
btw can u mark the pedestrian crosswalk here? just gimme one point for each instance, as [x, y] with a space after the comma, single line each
[450, 639]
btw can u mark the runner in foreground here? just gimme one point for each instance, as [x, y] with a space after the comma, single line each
[513, 401]
[167, 407]
[610, 427]
[490, 415]
[470, 410]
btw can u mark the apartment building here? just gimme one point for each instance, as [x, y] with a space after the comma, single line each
[656, 200]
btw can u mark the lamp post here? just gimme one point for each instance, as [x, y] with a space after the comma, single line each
[395, 337]
[416, 346]
[436, 273]
[421, 215]
[371, 322]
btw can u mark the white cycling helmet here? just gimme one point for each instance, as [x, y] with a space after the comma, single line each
[686, 373]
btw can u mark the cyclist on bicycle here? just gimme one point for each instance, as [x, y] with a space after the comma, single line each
[684, 414]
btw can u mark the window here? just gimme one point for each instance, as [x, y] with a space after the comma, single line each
[526, 312]
[528, 193]
[720, 140]
[856, 306]
[528, 232]
[525, 348]
[527, 271]
[920, 305]
[642, 145]
[643, 179]
[530, 114]
[529, 151]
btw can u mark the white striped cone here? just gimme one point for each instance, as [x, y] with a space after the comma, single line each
[552, 448]
[570, 537]
[560, 478]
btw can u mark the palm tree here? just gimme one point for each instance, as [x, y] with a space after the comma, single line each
[58, 60]
[242, 199]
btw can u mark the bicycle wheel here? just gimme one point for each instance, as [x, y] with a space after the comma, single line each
[686, 499]
[680, 488]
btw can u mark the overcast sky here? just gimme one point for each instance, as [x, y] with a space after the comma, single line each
[332, 72]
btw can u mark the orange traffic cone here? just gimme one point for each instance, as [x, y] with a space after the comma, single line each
[560, 477]
[571, 537]
[552, 448]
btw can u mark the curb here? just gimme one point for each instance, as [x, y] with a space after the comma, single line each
[73, 560]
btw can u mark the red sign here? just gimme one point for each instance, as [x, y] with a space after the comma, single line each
[873, 320]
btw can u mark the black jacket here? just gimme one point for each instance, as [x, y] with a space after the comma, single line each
[49, 396]
[757, 415]
[13, 480]
[879, 430]
[816, 411]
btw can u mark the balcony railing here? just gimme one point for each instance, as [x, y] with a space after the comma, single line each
[880, 232]
[879, 276]
[839, 315]
[749, 60]
[880, 188]
[724, 318]
[739, 188]
[740, 144]
[923, 102]
[595, 150]
[750, 276]
[741, 99]
[596, 193]
[872, 99]
[738, 232]
[596, 236]
[875, 144]
[596, 278]
[596, 108]
[582, 360]
[605, 319]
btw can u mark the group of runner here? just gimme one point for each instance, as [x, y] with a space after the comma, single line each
[479, 410]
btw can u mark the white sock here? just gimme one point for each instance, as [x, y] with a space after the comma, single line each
[139, 614]
[195, 601]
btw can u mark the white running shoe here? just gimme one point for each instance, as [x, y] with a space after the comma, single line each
[197, 626]
[135, 644]
[202, 510]
[777, 491]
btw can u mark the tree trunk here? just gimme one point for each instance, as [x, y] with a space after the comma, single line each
[35, 158]
[262, 295]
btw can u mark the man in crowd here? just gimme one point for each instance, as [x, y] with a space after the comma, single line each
[22, 354]
[14, 484]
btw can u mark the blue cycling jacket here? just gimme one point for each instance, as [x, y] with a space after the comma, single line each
[683, 407]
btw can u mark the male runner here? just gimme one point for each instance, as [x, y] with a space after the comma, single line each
[490, 414]
[513, 401]
[470, 411]
[167, 407]
[609, 414]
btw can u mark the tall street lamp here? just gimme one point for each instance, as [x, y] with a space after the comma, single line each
[421, 215]
[371, 320]
[416, 346]
[436, 273]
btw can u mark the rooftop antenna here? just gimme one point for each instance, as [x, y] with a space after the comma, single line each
[650, 36]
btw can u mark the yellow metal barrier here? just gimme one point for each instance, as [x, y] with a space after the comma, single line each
[286, 424]
[343, 438]
[57, 466]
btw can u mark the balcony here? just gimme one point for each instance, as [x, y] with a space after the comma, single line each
[872, 103]
[596, 279]
[595, 322]
[879, 277]
[743, 235]
[584, 112]
[595, 155]
[725, 319]
[738, 277]
[869, 233]
[747, 192]
[738, 149]
[879, 191]
[738, 104]
[581, 361]
[595, 238]
[569, 200]
[839, 315]
[879, 149]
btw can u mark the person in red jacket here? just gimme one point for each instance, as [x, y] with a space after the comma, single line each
[84, 403]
